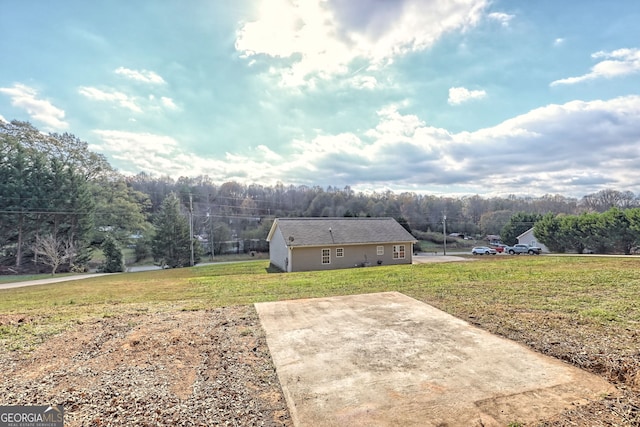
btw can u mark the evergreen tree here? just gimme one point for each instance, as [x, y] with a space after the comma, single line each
[21, 173]
[122, 211]
[13, 164]
[171, 245]
[548, 232]
[71, 211]
[143, 245]
[44, 193]
[114, 261]
[617, 227]
[518, 224]
[574, 231]
[404, 223]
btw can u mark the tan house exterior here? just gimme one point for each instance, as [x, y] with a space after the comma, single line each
[307, 244]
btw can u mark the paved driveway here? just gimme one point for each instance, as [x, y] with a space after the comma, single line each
[424, 258]
[54, 279]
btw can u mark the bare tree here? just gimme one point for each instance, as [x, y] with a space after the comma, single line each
[604, 200]
[53, 251]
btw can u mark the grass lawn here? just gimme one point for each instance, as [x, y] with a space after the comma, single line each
[592, 292]
[596, 290]
[584, 310]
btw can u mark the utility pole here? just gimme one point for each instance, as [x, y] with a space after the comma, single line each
[210, 223]
[191, 226]
[444, 232]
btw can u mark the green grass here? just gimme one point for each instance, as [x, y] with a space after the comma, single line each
[596, 291]
[595, 288]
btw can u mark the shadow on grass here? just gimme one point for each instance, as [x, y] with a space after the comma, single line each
[273, 269]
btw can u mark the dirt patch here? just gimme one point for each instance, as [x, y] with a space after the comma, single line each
[164, 369]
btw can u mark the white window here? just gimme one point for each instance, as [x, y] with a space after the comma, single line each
[380, 250]
[339, 252]
[326, 256]
[398, 251]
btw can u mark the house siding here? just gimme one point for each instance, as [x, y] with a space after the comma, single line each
[298, 244]
[310, 258]
[279, 252]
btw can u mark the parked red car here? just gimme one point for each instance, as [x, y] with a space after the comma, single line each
[498, 248]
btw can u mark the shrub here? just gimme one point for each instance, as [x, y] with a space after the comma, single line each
[113, 262]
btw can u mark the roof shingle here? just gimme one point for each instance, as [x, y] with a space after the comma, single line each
[340, 231]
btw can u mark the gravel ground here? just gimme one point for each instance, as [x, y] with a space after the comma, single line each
[199, 368]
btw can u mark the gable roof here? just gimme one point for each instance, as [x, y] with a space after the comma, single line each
[339, 231]
[526, 232]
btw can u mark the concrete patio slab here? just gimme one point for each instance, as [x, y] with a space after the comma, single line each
[386, 359]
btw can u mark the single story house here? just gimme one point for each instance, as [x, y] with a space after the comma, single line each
[527, 238]
[305, 244]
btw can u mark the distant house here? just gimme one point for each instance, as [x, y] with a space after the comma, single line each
[527, 238]
[494, 239]
[304, 244]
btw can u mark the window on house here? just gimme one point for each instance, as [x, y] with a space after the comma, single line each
[398, 251]
[380, 250]
[326, 256]
[339, 252]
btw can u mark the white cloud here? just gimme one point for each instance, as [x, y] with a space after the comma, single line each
[40, 110]
[2, 119]
[321, 38]
[149, 152]
[134, 103]
[558, 42]
[458, 95]
[117, 141]
[363, 82]
[268, 154]
[168, 103]
[617, 63]
[503, 18]
[393, 126]
[144, 76]
[119, 98]
[163, 155]
[575, 148]
[550, 150]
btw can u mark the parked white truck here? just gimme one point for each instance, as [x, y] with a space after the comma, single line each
[522, 249]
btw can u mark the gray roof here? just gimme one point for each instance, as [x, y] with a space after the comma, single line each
[339, 231]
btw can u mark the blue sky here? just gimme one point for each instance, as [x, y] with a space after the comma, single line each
[431, 96]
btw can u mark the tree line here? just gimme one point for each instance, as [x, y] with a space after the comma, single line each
[61, 203]
[614, 231]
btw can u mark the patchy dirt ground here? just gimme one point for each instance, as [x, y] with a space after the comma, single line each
[209, 368]
[199, 368]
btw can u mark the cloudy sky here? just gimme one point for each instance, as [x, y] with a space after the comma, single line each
[432, 96]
